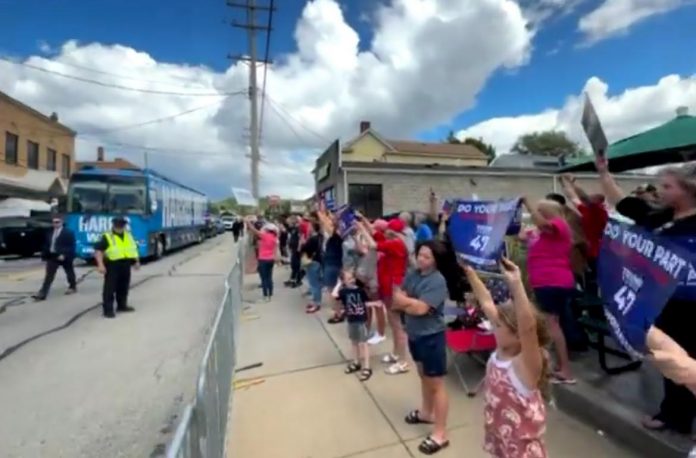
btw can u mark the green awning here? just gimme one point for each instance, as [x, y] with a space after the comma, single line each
[674, 141]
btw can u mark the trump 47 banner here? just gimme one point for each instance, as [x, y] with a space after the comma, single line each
[637, 273]
[477, 230]
[345, 216]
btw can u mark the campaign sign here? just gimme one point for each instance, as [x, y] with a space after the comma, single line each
[346, 220]
[637, 272]
[477, 230]
[686, 289]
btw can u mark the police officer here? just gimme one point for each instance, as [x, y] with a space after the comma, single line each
[115, 254]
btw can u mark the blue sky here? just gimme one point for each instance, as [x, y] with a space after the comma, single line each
[198, 33]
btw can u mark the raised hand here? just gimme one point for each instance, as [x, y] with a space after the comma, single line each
[511, 272]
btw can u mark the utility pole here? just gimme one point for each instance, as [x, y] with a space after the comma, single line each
[251, 7]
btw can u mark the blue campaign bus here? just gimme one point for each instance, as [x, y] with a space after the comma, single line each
[162, 214]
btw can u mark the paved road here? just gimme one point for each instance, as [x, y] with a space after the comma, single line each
[73, 384]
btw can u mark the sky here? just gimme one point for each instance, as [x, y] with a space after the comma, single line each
[141, 76]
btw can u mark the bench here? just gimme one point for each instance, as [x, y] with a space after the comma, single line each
[595, 324]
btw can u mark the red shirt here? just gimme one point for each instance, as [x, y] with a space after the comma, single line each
[304, 229]
[392, 265]
[593, 219]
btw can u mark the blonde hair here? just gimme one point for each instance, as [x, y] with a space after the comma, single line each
[508, 317]
[685, 176]
[552, 207]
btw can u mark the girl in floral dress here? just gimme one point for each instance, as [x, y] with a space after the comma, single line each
[517, 374]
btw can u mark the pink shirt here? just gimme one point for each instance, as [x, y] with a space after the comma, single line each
[267, 246]
[548, 255]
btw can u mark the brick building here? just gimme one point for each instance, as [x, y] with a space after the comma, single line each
[37, 152]
[379, 176]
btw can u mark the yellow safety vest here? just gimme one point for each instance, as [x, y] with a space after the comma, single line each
[120, 248]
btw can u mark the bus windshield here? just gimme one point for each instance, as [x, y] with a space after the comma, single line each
[107, 195]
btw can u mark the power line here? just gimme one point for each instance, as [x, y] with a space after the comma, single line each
[116, 75]
[117, 86]
[279, 106]
[57, 133]
[287, 123]
[160, 149]
[265, 67]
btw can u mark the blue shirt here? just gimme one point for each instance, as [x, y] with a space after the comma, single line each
[424, 233]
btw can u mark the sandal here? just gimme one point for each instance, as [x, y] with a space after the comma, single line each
[365, 374]
[313, 309]
[352, 368]
[397, 368]
[414, 418]
[337, 318]
[429, 446]
[558, 379]
[390, 358]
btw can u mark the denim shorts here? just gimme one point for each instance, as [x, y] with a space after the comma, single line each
[431, 353]
[357, 331]
[331, 274]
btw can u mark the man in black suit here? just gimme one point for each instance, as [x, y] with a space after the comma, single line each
[59, 251]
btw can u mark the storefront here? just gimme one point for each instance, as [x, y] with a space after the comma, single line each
[326, 174]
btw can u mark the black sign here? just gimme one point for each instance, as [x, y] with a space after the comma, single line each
[593, 129]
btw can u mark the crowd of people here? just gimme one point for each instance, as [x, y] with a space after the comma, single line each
[400, 272]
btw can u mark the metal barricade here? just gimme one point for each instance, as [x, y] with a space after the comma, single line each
[202, 429]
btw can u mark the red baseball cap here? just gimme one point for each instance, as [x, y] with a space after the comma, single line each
[396, 225]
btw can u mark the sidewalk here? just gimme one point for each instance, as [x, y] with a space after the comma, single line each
[306, 406]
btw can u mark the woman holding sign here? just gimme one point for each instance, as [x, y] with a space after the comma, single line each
[675, 218]
[550, 273]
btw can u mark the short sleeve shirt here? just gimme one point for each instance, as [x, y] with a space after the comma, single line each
[430, 288]
[354, 302]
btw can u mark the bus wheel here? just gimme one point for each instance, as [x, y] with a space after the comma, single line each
[159, 248]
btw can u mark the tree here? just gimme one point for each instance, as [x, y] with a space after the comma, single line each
[547, 143]
[477, 143]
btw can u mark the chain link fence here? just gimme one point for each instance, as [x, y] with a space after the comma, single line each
[203, 425]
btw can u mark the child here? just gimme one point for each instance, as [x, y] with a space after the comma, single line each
[355, 303]
[517, 374]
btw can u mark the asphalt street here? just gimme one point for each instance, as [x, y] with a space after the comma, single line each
[73, 384]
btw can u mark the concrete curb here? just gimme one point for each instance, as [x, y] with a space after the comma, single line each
[621, 423]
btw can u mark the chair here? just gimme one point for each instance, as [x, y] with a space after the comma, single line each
[471, 342]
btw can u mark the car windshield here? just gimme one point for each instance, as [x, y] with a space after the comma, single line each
[107, 195]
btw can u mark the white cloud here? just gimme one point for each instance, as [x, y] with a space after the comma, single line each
[628, 113]
[415, 74]
[615, 17]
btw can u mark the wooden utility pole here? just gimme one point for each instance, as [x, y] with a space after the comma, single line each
[250, 25]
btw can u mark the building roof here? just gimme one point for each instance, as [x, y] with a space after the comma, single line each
[116, 164]
[525, 161]
[454, 149]
[5, 97]
[458, 150]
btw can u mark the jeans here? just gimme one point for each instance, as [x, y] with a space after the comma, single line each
[265, 269]
[314, 277]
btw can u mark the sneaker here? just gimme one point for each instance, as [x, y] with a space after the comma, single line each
[70, 291]
[125, 309]
[268, 299]
[376, 339]
[390, 359]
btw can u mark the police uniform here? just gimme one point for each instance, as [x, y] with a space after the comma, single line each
[120, 253]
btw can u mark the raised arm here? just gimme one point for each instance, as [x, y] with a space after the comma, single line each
[532, 356]
[538, 220]
[483, 296]
[366, 233]
[327, 224]
[609, 186]
[570, 189]
[432, 205]
[252, 228]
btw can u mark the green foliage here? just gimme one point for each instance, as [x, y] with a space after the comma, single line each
[547, 143]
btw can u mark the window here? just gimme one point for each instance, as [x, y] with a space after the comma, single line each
[65, 166]
[51, 157]
[366, 198]
[32, 155]
[11, 142]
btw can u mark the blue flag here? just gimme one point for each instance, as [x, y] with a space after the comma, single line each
[346, 220]
[637, 273]
[477, 230]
